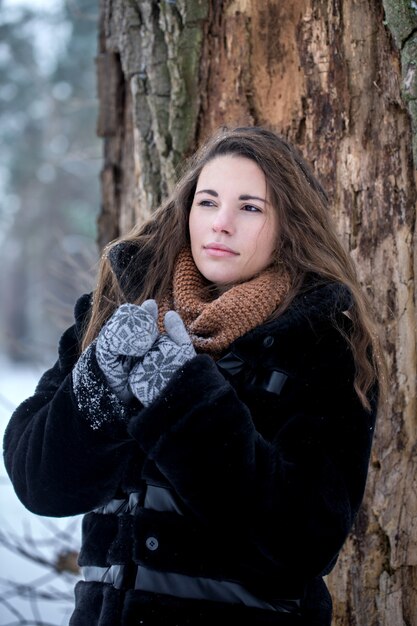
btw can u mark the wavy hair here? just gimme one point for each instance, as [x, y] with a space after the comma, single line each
[307, 242]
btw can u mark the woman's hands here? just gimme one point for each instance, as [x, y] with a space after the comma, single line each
[127, 335]
[134, 357]
[151, 374]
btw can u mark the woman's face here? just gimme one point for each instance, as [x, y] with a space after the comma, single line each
[233, 227]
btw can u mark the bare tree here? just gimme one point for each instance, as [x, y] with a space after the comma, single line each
[55, 552]
[39, 563]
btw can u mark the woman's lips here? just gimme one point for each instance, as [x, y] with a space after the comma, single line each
[219, 250]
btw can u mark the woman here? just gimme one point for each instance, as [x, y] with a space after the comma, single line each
[213, 407]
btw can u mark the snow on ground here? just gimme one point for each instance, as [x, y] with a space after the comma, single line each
[40, 535]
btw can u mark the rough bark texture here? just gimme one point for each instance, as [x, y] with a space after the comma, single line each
[338, 79]
[401, 19]
[148, 83]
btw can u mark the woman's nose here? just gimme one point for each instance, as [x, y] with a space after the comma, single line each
[223, 222]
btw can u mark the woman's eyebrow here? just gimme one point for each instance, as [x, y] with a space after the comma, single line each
[247, 197]
[211, 192]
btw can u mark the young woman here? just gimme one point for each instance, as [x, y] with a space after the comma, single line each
[212, 408]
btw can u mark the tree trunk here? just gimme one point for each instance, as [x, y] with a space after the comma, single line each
[332, 78]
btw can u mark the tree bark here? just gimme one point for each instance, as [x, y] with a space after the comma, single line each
[332, 78]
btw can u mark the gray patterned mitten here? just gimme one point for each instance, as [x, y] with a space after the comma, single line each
[149, 376]
[127, 335]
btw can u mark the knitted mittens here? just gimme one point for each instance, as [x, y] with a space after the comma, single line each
[126, 336]
[135, 359]
[150, 375]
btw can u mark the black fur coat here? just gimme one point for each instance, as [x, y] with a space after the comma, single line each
[267, 450]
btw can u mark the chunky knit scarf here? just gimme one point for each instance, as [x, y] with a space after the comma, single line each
[214, 322]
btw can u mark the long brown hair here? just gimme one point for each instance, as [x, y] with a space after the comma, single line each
[307, 243]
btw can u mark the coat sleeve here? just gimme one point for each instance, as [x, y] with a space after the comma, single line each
[292, 496]
[58, 463]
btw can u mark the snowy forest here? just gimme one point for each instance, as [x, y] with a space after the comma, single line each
[49, 201]
[49, 174]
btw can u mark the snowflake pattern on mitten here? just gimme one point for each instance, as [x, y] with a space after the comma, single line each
[150, 375]
[127, 336]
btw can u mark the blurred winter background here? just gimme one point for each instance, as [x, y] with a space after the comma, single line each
[50, 160]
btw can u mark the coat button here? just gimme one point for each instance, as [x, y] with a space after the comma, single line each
[152, 543]
[268, 341]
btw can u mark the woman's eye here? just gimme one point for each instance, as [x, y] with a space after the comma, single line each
[206, 203]
[251, 208]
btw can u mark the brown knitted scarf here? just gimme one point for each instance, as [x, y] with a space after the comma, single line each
[214, 322]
